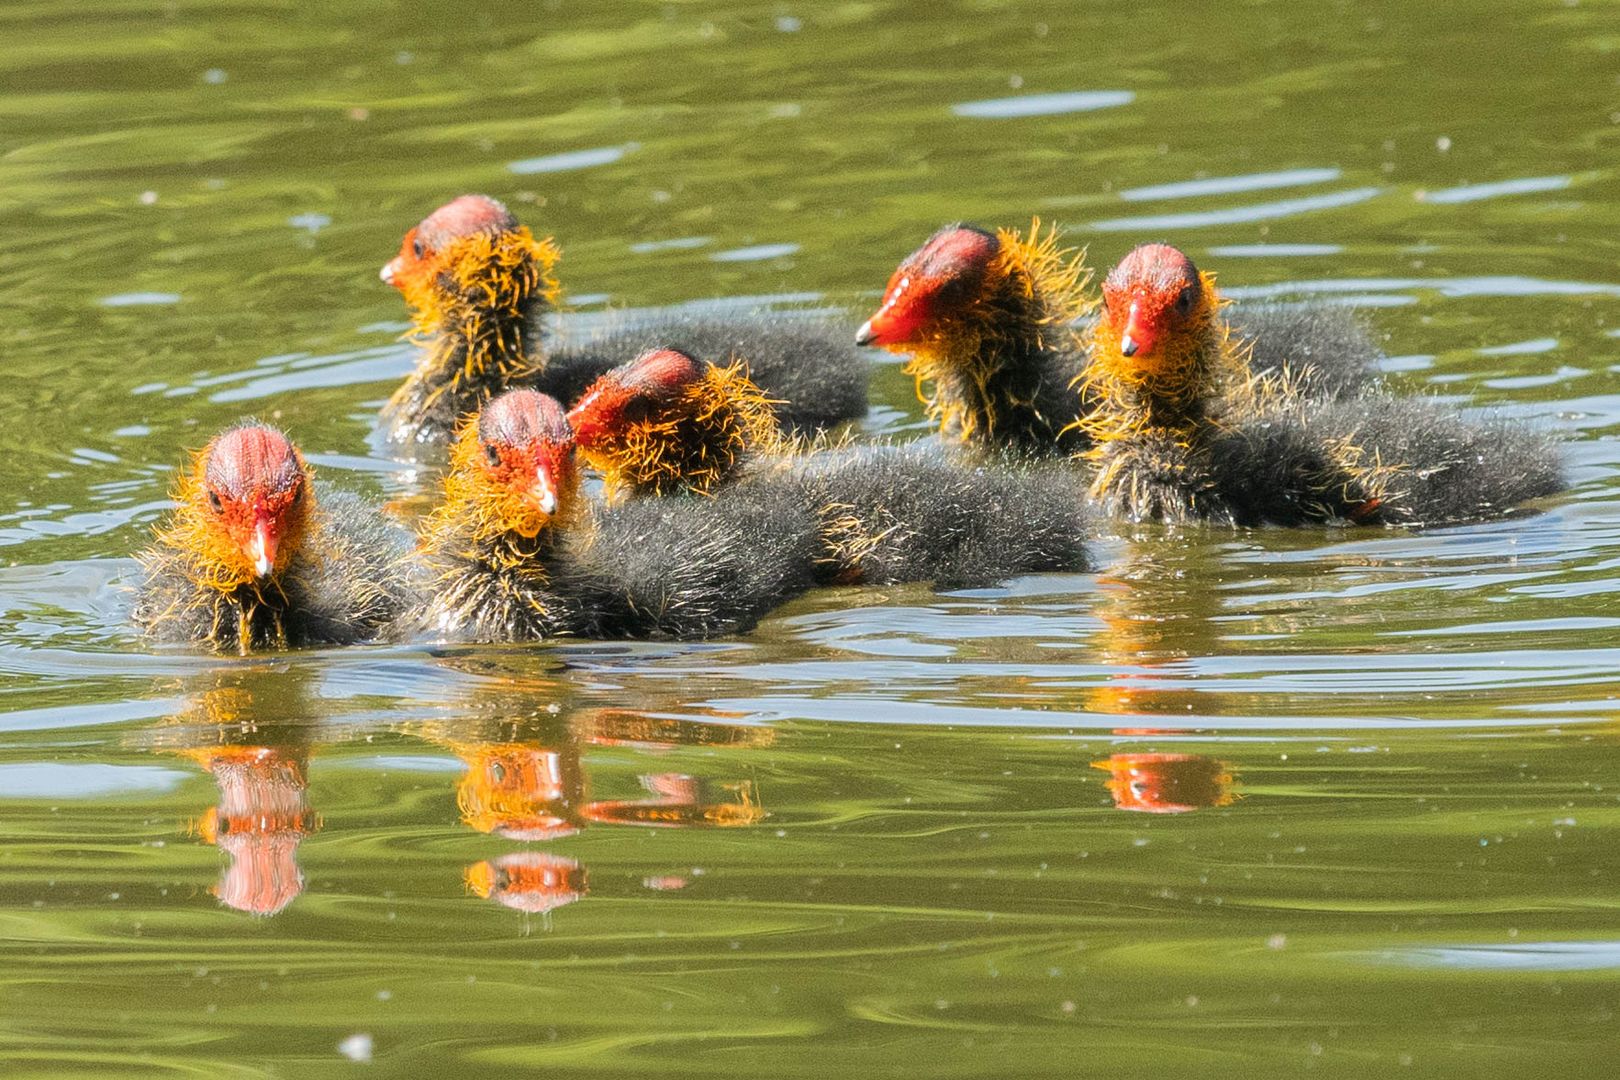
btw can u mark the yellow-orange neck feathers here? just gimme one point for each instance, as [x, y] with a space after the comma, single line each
[1033, 294]
[1190, 365]
[474, 308]
[695, 442]
[486, 510]
[203, 534]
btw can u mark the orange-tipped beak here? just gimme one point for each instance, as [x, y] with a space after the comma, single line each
[262, 548]
[1141, 333]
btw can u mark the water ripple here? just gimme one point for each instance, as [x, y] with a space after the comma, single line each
[140, 299]
[1237, 215]
[1515, 956]
[682, 243]
[1454, 287]
[572, 159]
[1475, 192]
[82, 780]
[881, 710]
[1266, 251]
[755, 253]
[1231, 185]
[1044, 104]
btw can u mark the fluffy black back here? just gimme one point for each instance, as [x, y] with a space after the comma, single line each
[1438, 467]
[1328, 346]
[1377, 459]
[908, 513]
[810, 365]
[693, 567]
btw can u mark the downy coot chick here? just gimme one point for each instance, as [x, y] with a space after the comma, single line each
[480, 288]
[517, 554]
[1184, 429]
[989, 324]
[250, 560]
[811, 375]
[668, 423]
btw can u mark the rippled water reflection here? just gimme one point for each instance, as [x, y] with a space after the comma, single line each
[1331, 802]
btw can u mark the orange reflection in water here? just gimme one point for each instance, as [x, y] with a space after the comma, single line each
[522, 791]
[262, 817]
[530, 881]
[1166, 783]
[526, 781]
[1147, 629]
[683, 802]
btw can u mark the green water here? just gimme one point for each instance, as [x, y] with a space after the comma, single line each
[893, 833]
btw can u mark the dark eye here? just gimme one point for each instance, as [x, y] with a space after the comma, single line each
[213, 500]
[298, 494]
[416, 248]
[1188, 298]
[492, 454]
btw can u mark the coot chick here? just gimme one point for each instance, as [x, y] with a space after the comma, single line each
[989, 322]
[478, 285]
[668, 424]
[1184, 429]
[517, 554]
[250, 560]
[480, 288]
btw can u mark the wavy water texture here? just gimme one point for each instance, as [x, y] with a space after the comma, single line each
[1332, 802]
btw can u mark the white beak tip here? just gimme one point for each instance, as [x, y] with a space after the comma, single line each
[387, 273]
[545, 496]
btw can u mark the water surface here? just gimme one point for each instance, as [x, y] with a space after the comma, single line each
[1335, 802]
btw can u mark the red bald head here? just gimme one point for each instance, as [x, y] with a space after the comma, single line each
[632, 391]
[254, 484]
[1154, 290]
[526, 454]
[946, 272]
[469, 215]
